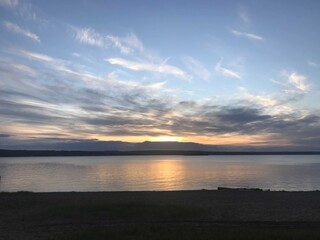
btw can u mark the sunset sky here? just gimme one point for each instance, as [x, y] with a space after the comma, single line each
[243, 73]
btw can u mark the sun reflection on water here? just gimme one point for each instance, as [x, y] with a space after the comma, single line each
[160, 174]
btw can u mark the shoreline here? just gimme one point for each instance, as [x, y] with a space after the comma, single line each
[64, 153]
[163, 191]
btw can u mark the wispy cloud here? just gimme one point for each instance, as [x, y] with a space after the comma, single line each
[244, 15]
[197, 68]
[76, 54]
[89, 36]
[126, 45]
[118, 43]
[265, 101]
[17, 29]
[247, 35]
[76, 72]
[37, 56]
[131, 45]
[145, 66]
[294, 86]
[297, 80]
[313, 64]
[226, 72]
[13, 68]
[132, 41]
[23, 9]
[9, 3]
[271, 104]
[61, 66]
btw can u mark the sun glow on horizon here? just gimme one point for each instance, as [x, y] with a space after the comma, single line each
[223, 139]
[170, 139]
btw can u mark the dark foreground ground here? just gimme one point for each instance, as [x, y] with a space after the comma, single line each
[160, 215]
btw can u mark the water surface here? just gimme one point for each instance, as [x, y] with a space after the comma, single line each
[122, 173]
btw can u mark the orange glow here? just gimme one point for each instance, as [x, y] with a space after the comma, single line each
[241, 140]
[139, 138]
[43, 131]
[170, 139]
[224, 139]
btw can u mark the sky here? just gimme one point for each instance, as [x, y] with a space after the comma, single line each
[236, 73]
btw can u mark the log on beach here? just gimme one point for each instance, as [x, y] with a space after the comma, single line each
[241, 189]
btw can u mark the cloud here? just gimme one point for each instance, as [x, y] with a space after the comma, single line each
[197, 68]
[132, 46]
[23, 9]
[3, 135]
[14, 68]
[117, 43]
[76, 54]
[69, 71]
[65, 98]
[247, 35]
[275, 104]
[139, 113]
[17, 29]
[265, 101]
[89, 36]
[313, 64]
[121, 109]
[245, 120]
[37, 56]
[9, 3]
[226, 72]
[58, 65]
[126, 45]
[132, 41]
[244, 15]
[241, 115]
[64, 101]
[297, 81]
[145, 66]
[129, 44]
[294, 87]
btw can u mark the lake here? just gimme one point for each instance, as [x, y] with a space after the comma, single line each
[123, 173]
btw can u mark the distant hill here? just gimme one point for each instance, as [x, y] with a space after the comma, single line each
[96, 148]
[146, 148]
[94, 145]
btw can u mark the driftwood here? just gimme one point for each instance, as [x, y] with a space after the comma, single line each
[239, 189]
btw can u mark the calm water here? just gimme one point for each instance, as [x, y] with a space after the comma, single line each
[43, 174]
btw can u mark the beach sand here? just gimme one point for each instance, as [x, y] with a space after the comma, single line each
[203, 214]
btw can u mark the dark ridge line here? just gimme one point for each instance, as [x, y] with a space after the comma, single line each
[52, 153]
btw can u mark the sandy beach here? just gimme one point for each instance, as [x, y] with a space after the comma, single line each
[160, 215]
